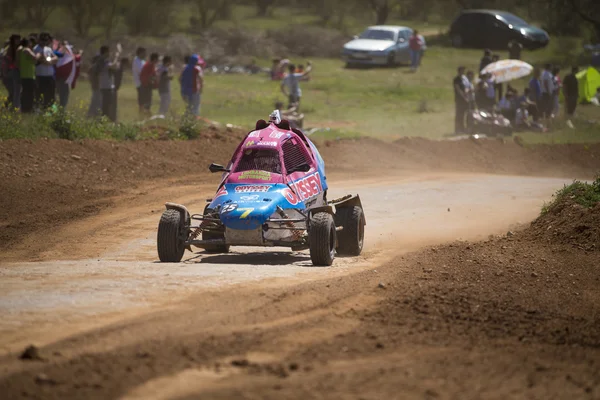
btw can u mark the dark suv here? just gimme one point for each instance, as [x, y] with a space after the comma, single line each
[495, 29]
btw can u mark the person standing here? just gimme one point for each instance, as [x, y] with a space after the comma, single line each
[571, 93]
[461, 101]
[557, 83]
[472, 105]
[95, 108]
[535, 94]
[149, 81]
[514, 50]
[44, 72]
[165, 75]
[12, 78]
[105, 68]
[498, 87]
[415, 45]
[290, 85]
[192, 82]
[423, 48]
[27, 61]
[547, 89]
[66, 69]
[136, 69]
[485, 60]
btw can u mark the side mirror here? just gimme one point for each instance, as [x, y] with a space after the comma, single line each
[217, 168]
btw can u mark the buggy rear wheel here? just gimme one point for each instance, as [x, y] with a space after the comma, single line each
[351, 237]
[322, 239]
[170, 242]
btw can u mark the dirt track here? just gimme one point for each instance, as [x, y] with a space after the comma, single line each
[511, 317]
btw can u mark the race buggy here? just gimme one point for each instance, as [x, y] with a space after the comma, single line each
[273, 192]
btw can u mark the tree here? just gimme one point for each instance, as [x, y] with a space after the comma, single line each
[212, 10]
[589, 11]
[37, 11]
[382, 10]
[263, 7]
[85, 13]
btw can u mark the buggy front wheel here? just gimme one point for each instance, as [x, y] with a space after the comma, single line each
[322, 239]
[169, 241]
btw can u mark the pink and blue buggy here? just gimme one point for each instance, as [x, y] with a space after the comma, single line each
[273, 192]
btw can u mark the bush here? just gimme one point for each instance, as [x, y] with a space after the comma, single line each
[582, 193]
[307, 41]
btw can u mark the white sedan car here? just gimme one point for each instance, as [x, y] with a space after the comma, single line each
[379, 45]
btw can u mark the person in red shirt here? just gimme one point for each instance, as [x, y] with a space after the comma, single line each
[149, 82]
[415, 44]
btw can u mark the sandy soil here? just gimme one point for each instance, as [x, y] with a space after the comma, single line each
[481, 317]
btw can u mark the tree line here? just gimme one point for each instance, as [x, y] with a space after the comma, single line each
[155, 17]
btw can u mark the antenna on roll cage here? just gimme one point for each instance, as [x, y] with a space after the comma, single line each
[275, 117]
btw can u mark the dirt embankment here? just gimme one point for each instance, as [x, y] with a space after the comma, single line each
[510, 317]
[49, 182]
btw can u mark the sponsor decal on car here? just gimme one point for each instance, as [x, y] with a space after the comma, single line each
[254, 134]
[253, 174]
[250, 143]
[308, 187]
[290, 196]
[276, 135]
[270, 144]
[253, 197]
[252, 188]
[221, 192]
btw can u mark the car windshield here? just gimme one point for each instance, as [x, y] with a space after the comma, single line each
[259, 160]
[377, 34]
[513, 19]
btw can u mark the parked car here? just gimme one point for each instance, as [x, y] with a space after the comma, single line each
[379, 45]
[494, 30]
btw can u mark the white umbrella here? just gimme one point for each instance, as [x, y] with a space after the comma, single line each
[507, 70]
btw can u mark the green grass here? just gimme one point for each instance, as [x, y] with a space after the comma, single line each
[582, 193]
[379, 102]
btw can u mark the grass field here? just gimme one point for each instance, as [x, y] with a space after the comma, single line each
[379, 102]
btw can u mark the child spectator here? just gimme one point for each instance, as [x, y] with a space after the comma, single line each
[165, 75]
[149, 82]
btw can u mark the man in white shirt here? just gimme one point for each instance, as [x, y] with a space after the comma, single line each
[44, 72]
[136, 69]
[547, 84]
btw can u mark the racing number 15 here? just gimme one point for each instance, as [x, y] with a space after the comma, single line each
[245, 212]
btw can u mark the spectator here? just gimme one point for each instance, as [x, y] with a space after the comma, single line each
[105, 67]
[514, 50]
[498, 86]
[11, 75]
[136, 69]
[165, 75]
[557, 83]
[507, 107]
[485, 60]
[66, 69]
[522, 121]
[547, 88]
[535, 92]
[423, 48]
[490, 92]
[44, 71]
[95, 109]
[571, 93]
[192, 82]
[27, 61]
[472, 105]
[118, 77]
[290, 85]
[461, 101]
[149, 81]
[415, 45]
[275, 75]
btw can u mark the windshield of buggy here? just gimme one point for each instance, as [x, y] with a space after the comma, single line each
[259, 160]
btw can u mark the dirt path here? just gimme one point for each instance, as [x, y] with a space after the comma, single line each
[106, 292]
